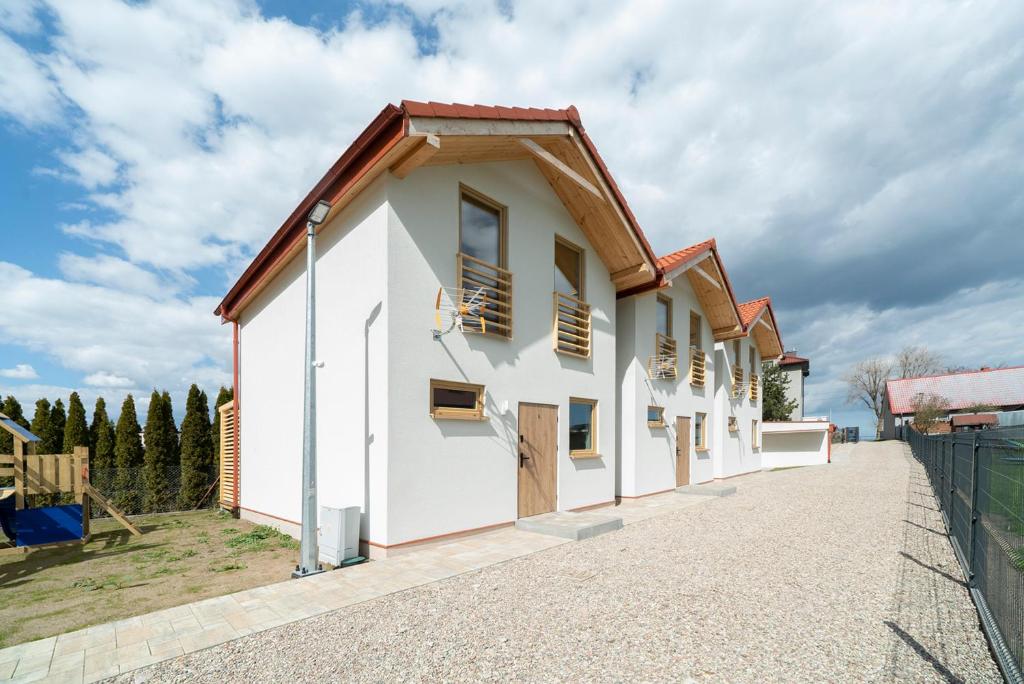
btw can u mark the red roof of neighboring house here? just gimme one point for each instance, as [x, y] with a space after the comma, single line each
[995, 387]
[791, 359]
[390, 126]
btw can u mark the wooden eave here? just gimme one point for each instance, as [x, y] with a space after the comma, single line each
[563, 159]
[714, 293]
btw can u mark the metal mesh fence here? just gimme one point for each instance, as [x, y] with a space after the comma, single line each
[133, 493]
[978, 480]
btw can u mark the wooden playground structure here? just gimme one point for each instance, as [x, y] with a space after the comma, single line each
[34, 474]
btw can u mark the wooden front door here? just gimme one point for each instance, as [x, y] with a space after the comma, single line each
[682, 451]
[538, 458]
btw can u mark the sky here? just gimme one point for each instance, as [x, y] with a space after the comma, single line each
[859, 162]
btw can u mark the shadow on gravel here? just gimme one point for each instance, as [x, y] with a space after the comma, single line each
[926, 529]
[943, 573]
[922, 651]
[927, 508]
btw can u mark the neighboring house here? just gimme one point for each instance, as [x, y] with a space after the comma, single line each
[665, 344]
[1002, 388]
[510, 218]
[738, 402]
[796, 369]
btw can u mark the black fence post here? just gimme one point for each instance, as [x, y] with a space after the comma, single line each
[975, 469]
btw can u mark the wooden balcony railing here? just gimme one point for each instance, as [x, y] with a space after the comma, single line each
[665, 362]
[697, 367]
[571, 325]
[737, 381]
[754, 387]
[496, 284]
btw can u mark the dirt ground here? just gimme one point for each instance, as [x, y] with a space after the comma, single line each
[181, 557]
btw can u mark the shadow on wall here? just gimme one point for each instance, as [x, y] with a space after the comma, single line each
[368, 436]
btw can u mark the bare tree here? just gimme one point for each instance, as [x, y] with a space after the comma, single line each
[913, 362]
[866, 385]
[929, 409]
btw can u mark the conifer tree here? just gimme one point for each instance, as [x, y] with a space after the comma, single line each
[224, 396]
[196, 450]
[161, 452]
[99, 416]
[102, 462]
[775, 406]
[76, 431]
[41, 421]
[12, 409]
[127, 458]
[53, 440]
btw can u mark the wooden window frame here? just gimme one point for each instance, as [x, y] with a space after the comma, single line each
[582, 294]
[660, 423]
[669, 330]
[592, 452]
[700, 428]
[755, 443]
[734, 424]
[696, 316]
[752, 356]
[446, 413]
[491, 203]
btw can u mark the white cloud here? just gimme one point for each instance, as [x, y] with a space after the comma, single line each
[19, 16]
[104, 379]
[826, 146]
[22, 371]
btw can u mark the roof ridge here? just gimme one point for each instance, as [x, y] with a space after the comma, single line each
[955, 373]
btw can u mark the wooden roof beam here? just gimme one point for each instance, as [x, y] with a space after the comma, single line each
[707, 276]
[422, 151]
[560, 167]
[630, 272]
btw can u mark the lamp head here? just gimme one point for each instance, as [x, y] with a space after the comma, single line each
[318, 213]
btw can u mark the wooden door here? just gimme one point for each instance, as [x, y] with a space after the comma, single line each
[538, 458]
[682, 451]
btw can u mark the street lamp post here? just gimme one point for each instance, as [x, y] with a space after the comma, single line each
[309, 561]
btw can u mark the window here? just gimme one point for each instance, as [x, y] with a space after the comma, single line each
[582, 426]
[694, 330]
[736, 344]
[481, 228]
[571, 313]
[456, 400]
[655, 416]
[700, 421]
[754, 440]
[481, 262]
[664, 313]
[753, 360]
[568, 268]
[733, 425]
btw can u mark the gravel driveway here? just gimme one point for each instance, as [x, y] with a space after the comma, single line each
[829, 573]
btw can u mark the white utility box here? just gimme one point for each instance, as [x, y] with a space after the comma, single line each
[339, 534]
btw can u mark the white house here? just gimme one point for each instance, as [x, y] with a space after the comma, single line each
[435, 435]
[796, 368]
[737, 428]
[666, 340]
[470, 279]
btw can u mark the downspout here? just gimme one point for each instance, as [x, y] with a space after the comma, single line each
[236, 403]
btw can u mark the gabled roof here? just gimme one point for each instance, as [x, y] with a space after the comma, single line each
[402, 138]
[995, 386]
[759, 323]
[790, 359]
[707, 276]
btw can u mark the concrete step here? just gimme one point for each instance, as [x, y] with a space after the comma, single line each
[708, 489]
[568, 525]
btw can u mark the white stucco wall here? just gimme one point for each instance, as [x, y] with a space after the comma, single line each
[351, 386]
[449, 476]
[795, 390]
[733, 452]
[788, 444]
[648, 454]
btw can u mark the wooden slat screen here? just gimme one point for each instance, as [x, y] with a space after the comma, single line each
[228, 457]
[737, 381]
[697, 367]
[496, 284]
[571, 325]
[754, 387]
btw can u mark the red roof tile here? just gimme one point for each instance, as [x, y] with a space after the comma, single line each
[788, 359]
[750, 310]
[670, 261]
[997, 387]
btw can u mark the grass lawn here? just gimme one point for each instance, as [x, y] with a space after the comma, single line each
[181, 557]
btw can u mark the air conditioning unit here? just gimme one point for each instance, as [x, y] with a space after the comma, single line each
[339, 534]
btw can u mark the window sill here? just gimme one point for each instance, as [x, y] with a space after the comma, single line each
[700, 449]
[583, 454]
[456, 416]
[652, 424]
